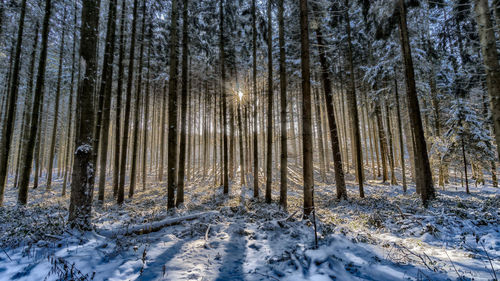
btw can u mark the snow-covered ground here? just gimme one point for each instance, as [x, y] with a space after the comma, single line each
[386, 236]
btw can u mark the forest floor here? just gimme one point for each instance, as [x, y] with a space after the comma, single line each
[387, 235]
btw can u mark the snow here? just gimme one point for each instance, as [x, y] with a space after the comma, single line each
[359, 239]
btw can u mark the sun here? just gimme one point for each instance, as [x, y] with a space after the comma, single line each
[240, 95]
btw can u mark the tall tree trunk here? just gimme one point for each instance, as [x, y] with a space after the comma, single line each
[184, 94]
[307, 146]
[28, 103]
[105, 95]
[223, 88]
[146, 111]
[389, 142]
[254, 88]
[269, 151]
[283, 103]
[119, 90]
[56, 107]
[400, 129]
[83, 169]
[138, 91]
[9, 122]
[327, 90]
[353, 110]
[172, 109]
[490, 59]
[423, 173]
[128, 98]
[37, 104]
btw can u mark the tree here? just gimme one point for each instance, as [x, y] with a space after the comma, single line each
[184, 94]
[254, 87]
[332, 123]
[56, 107]
[8, 125]
[283, 101]
[37, 104]
[105, 92]
[223, 101]
[491, 65]
[82, 182]
[172, 109]
[138, 90]
[126, 121]
[352, 107]
[423, 175]
[307, 143]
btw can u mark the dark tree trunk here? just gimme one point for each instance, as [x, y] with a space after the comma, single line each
[184, 94]
[138, 91]
[83, 169]
[254, 88]
[283, 103]
[307, 143]
[9, 122]
[223, 101]
[37, 104]
[128, 98]
[105, 95]
[327, 89]
[423, 175]
[353, 110]
[269, 151]
[56, 108]
[121, 72]
[172, 109]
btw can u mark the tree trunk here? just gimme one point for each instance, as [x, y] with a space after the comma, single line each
[119, 90]
[83, 169]
[224, 106]
[423, 173]
[138, 91]
[254, 87]
[105, 95]
[172, 109]
[327, 90]
[490, 59]
[184, 94]
[306, 112]
[37, 104]
[283, 102]
[56, 108]
[400, 129]
[353, 110]
[9, 122]
[126, 121]
[269, 151]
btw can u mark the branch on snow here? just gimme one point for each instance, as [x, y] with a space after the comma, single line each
[152, 227]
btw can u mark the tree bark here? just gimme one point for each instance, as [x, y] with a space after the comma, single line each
[128, 98]
[83, 169]
[490, 59]
[172, 109]
[423, 173]
[306, 112]
[184, 94]
[37, 104]
[9, 122]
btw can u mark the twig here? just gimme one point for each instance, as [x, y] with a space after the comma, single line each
[6, 254]
[489, 259]
[206, 233]
[446, 252]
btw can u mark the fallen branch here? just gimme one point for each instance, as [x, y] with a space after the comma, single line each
[152, 227]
